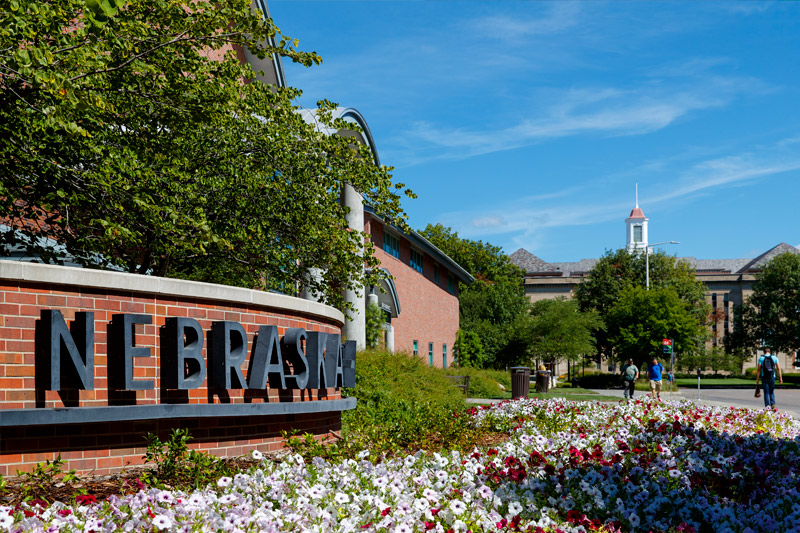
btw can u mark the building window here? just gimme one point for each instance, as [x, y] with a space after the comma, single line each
[725, 307]
[416, 260]
[391, 245]
[637, 234]
[444, 356]
[430, 354]
[436, 273]
[416, 348]
[451, 284]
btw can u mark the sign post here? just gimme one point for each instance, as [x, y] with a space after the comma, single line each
[667, 349]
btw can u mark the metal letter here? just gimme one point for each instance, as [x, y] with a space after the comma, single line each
[334, 376]
[293, 354]
[228, 350]
[315, 353]
[122, 349]
[55, 368]
[266, 360]
[182, 363]
[349, 362]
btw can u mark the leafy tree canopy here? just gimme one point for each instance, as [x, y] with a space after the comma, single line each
[134, 135]
[482, 260]
[641, 318]
[620, 270]
[771, 315]
[561, 331]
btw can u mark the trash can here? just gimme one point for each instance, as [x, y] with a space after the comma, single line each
[520, 381]
[542, 381]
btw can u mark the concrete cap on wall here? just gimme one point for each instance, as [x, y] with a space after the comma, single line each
[119, 281]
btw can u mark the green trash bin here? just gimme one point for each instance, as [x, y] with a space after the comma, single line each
[520, 381]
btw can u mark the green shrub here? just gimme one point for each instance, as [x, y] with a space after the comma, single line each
[484, 383]
[599, 380]
[403, 404]
[178, 467]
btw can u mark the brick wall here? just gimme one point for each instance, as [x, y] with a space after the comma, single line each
[108, 447]
[429, 313]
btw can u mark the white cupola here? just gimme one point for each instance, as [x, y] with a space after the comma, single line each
[636, 228]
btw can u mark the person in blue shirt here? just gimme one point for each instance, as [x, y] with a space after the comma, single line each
[766, 373]
[654, 371]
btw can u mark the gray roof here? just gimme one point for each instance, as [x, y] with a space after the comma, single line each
[529, 262]
[534, 265]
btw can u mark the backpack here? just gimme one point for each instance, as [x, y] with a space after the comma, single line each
[630, 373]
[768, 367]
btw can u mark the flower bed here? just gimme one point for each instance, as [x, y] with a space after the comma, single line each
[569, 466]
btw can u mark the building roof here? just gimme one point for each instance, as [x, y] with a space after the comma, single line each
[530, 263]
[637, 213]
[535, 266]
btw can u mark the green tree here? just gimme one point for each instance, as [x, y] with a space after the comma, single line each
[469, 349]
[771, 315]
[482, 260]
[640, 318]
[620, 270]
[135, 136]
[561, 331]
[498, 312]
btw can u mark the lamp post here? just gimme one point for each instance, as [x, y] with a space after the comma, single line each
[647, 260]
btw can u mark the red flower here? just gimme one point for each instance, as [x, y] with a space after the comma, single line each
[84, 499]
[386, 511]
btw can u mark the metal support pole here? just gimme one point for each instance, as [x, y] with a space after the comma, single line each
[647, 267]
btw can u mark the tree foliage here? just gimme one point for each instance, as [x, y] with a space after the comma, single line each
[771, 315]
[469, 349]
[621, 270]
[482, 260]
[134, 135]
[641, 318]
[561, 331]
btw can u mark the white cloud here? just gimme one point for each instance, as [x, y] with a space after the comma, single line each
[488, 222]
[608, 111]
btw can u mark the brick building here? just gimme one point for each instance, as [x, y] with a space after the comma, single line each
[420, 303]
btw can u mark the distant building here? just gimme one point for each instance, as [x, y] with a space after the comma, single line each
[728, 281]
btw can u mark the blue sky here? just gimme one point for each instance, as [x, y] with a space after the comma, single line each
[527, 124]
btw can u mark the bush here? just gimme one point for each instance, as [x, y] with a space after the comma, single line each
[599, 380]
[403, 405]
[484, 383]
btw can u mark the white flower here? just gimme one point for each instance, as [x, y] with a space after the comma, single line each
[458, 507]
[514, 508]
[341, 498]
[485, 492]
[164, 497]
[224, 481]
[403, 528]
[162, 521]
[257, 455]
[363, 454]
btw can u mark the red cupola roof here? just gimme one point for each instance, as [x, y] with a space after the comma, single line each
[636, 212]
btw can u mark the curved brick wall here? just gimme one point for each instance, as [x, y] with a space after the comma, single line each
[104, 447]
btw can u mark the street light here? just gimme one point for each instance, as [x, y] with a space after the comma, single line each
[647, 260]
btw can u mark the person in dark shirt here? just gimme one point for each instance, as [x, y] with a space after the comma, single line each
[654, 371]
[629, 376]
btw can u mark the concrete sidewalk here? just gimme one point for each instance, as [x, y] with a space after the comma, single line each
[787, 400]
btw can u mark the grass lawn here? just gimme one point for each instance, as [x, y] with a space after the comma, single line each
[692, 382]
[571, 393]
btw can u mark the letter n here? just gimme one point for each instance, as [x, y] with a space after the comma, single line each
[65, 357]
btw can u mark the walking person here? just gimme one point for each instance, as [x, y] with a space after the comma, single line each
[629, 376]
[767, 366]
[654, 371]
